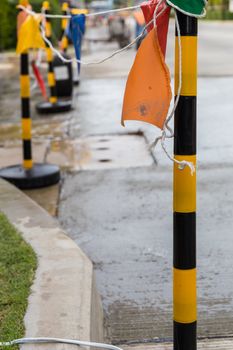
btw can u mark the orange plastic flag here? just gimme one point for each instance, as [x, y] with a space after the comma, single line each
[148, 92]
[29, 36]
[138, 15]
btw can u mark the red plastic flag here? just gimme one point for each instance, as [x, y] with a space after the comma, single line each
[148, 92]
[39, 79]
[162, 21]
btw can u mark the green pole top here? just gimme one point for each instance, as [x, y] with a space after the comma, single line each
[194, 8]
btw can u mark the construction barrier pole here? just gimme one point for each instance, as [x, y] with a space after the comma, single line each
[184, 240]
[54, 105]
[64, 23]
[51, 76]
[28, 175]
[25, 111]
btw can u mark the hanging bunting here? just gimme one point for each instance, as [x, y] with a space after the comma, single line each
[22, 16]
[162, 21]
[29, 36]
[77, 30]
[148, 92]
[140, 23]
[76, 11]
[194, 8]
[39, 79]
[139, 18]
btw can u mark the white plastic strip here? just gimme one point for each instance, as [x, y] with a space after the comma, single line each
[60, 341]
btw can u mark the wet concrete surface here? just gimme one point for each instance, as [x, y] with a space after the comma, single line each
[127, 231]
[110, 214]
[207, 344]
[123, 218]
[121, 215]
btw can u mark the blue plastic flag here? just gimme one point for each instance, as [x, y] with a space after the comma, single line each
[77, 30]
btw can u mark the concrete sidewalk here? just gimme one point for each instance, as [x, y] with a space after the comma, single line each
[64, 302]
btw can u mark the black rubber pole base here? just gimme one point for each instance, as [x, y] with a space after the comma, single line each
[41, 175]
[58, 107]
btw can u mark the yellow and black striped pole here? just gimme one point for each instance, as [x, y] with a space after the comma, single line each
[184, 240]
[25, 103]
[54, 105]
[64, 23]
[49, 52]
[25, 111]
[28, 175]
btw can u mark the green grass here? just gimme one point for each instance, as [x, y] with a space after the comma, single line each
[17, 268]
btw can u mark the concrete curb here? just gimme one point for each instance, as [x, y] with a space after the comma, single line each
[64, 302]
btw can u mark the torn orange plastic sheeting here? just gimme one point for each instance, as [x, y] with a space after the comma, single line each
[148, 93]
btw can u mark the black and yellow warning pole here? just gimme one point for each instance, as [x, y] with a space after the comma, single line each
[64, 23]
[25, 111]
[53, 105]
[49, 53]
[184, 240]
[29, 175]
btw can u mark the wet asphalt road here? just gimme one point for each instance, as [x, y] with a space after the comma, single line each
[122, 218]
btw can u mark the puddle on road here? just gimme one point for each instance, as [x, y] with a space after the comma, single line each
[118, 151]
[12, 154]
[51, 144]
[54, 128]
[100, 152]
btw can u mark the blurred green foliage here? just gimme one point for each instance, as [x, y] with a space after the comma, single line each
[218, 9]
[7, 25]
[8, 15]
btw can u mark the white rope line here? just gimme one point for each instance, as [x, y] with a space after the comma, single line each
[183, 163]
[87, 15]
[67, 60]
[59, 340]
[156, 10]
